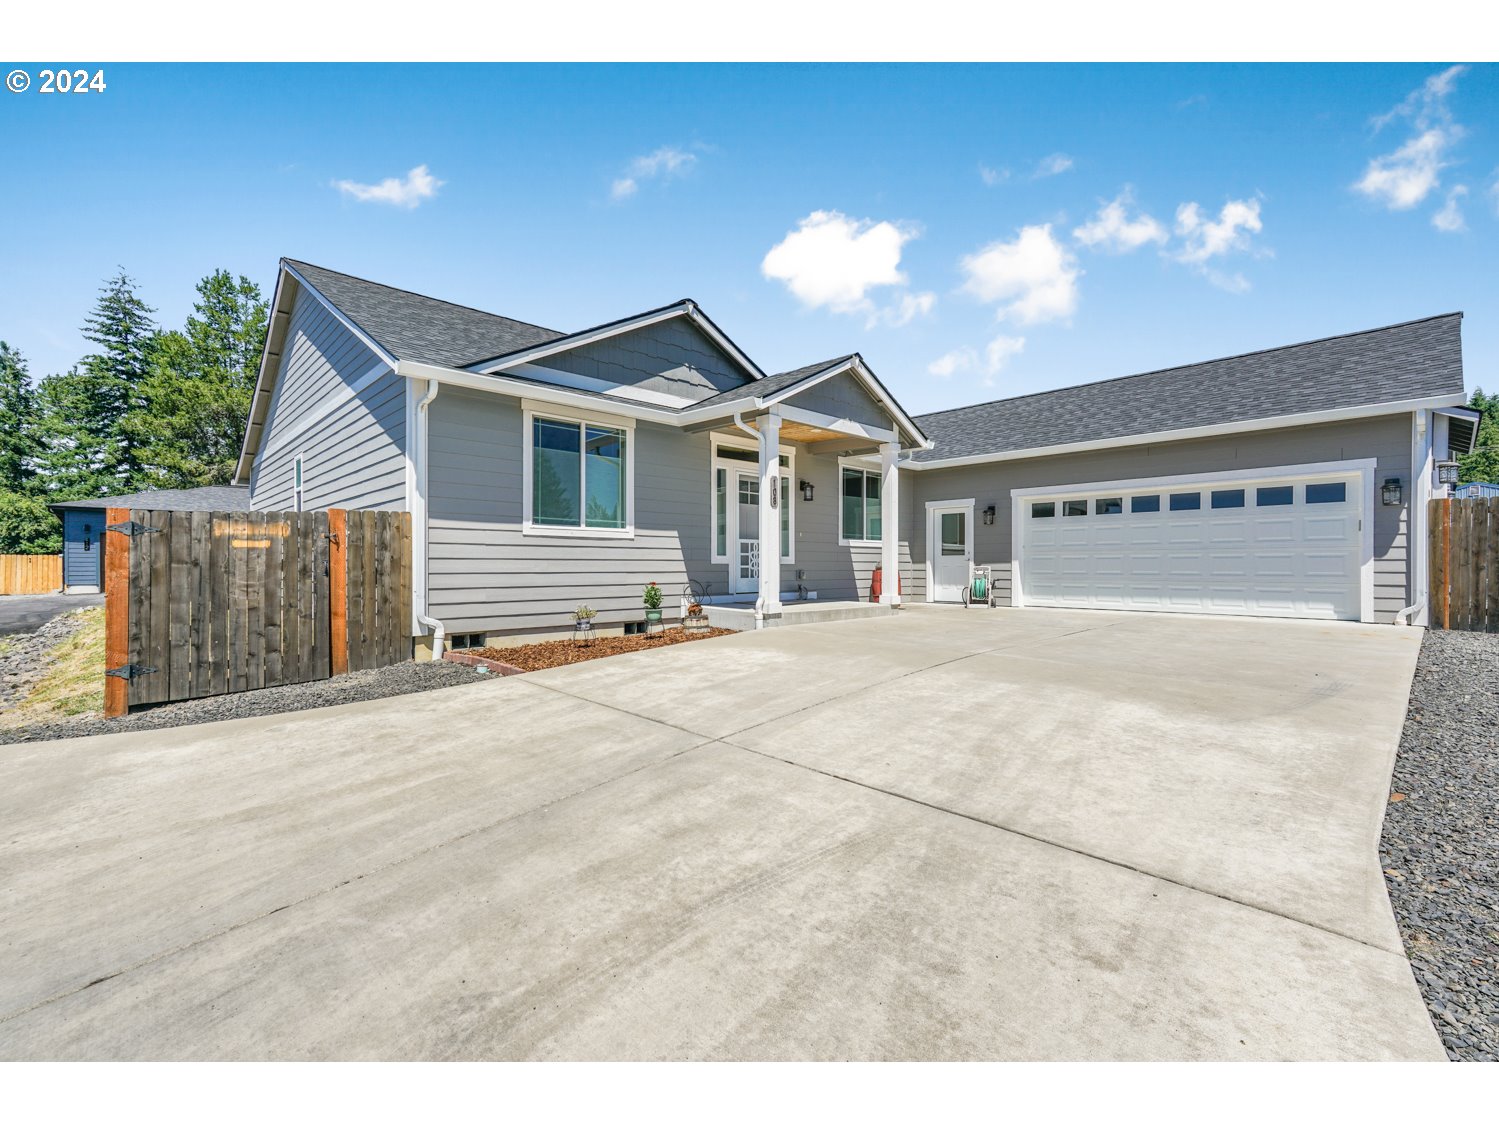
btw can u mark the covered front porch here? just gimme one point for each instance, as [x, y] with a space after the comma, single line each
[806, 489]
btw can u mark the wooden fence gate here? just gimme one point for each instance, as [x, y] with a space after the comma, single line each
[1465, 564]
[202, 603]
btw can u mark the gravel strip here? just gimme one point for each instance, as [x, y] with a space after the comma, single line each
[23, 656]
[1440, 842]
[357, 686]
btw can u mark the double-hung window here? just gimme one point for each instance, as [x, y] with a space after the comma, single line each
[860, 497]
[579, 476]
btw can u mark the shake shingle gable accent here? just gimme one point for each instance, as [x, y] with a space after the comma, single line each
[1419, 359]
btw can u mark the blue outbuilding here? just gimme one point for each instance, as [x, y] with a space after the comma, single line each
[83, 525]
[1475, 491]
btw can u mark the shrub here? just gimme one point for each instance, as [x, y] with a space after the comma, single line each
[27, 527]
[652, 595]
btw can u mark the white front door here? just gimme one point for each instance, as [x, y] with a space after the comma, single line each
[744, 533]
[951, 543]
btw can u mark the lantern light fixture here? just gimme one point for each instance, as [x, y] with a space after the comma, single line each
[806, 487]
[1446, 472]
[1390, 493]
[989, 516]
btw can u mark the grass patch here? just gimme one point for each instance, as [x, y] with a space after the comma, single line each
[73, 682]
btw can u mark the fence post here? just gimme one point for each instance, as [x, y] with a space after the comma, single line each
[338, 596]
[116, 548]
[1446, 564]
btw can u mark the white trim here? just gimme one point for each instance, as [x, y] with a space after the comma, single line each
[861, 464]
[1285, 421]
[552, 396]
[298, 481]
[529, 412]
[934, 541]
[282, 438]
[838, 425]
[853, 365]
[1363, 468]
[733, 441]
[602, 386]
[354, 329]
[1423, 471]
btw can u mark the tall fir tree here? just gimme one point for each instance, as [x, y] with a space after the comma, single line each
[196, 399]
[75, 428]
[122, 328]
[17, 422]
[1482, 464]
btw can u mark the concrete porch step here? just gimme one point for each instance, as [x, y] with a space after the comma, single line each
[741, 618]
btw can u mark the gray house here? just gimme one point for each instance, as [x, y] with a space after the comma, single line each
[545, 469]
[83, 538]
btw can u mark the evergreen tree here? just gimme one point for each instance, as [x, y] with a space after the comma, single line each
[1482, 465]
[196, 399]
[27, 526]
[17, 422]
[121, 327]
[75, 429]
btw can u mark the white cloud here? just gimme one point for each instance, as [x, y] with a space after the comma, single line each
[997, 354]
[1449, 220]
[1053, 165]
[1203, 239]
[832, 261]
[1404, 178]
[960, 359]
[1032, 279]
[908, 308]
[418, 186]
[992, 177]
[665, 163]
[1113, 230]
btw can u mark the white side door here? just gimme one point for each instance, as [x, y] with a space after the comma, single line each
[950, 539]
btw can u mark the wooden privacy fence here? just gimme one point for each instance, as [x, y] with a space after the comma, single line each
[202, 603]
[1465, 564]
[30, 573]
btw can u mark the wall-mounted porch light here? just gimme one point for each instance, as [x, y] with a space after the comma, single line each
[1446, 472]
[1390, 492]
[806, 487]
[989, 516]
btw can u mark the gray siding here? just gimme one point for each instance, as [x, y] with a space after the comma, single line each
[80, 566]
[353, 456]
[1386, 439]
[672, 357]
[487, 576]
[844, 397]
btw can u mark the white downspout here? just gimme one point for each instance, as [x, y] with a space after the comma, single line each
[419, 519]
[1416, 532]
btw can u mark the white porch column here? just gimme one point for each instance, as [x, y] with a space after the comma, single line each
[890, 523]
[768, 603]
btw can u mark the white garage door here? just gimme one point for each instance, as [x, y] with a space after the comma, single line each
[1285, 546]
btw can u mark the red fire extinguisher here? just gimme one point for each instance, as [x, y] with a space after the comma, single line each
[877, 584]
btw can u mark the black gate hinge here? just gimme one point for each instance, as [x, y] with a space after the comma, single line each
[130, 670]
[130, 528]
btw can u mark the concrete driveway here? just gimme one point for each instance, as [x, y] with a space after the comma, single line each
[942, 835]
[28, 612]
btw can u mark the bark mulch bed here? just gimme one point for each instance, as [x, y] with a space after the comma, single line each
[560, 653]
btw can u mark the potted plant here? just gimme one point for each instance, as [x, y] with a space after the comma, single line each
[652, 597]
[583, 622]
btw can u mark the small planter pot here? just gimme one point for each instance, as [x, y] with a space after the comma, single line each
[653, 616]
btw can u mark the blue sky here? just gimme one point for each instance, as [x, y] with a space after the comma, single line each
[953, 224]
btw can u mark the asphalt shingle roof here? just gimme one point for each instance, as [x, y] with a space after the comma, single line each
[423, 329]
[771, 383]
[1417, 359]
[215, 497]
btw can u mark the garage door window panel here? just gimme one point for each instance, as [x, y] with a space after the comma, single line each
[1075, 507]
[1186, 501]
[1227, 498]
[1279, 495]
[1327, 493]
[1142, 505]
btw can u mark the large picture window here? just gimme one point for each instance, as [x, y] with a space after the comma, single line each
[579, 475]
[861, 505]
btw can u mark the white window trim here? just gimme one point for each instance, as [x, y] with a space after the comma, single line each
[859, 464]
[299, 482]
[530, 411]
[1362, 468]
[788, 474]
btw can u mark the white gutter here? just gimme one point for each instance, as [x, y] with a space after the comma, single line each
[419, 560]
[1406, 614]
